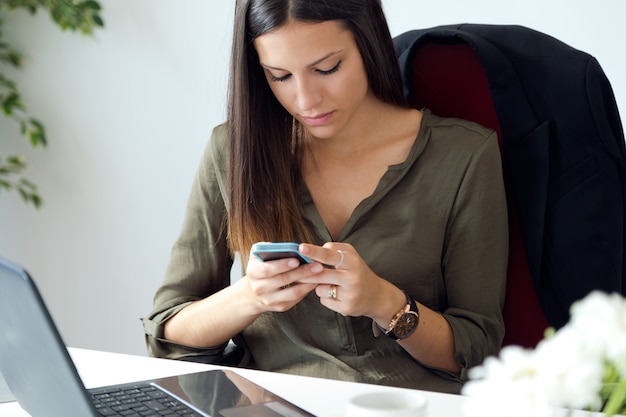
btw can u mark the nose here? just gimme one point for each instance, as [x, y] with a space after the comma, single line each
[307, 95]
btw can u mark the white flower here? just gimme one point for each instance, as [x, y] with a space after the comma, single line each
[508, 383]
[602, 319]
[566, 370]
[569, 372]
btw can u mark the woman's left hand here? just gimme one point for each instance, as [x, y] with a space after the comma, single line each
[348, 286]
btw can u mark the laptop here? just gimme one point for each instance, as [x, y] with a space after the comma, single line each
[40, 374]
[5, 392]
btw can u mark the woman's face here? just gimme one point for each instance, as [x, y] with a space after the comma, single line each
[316, 72]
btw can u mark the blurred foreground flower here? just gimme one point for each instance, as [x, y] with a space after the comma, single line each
[580, 366]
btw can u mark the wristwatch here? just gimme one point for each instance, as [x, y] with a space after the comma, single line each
[405, 321]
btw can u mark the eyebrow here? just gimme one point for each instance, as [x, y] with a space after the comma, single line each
[319, 61]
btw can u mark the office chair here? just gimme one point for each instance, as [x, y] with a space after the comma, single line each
[444, 70]
[449, 80]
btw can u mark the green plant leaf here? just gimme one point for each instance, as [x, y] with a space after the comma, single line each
[90, 4]
[97, 20]
[16, 161]
[10, 169]
[617, 400]
[37, 133]
[10, 102]
[7, 84]
[76, 15]
[29, 5]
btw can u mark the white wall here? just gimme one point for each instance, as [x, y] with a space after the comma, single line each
[128, 113]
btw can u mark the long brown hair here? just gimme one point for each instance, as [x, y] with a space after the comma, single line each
[264, 140]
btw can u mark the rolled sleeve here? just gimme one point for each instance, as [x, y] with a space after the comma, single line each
[475, 258]
[200, 260]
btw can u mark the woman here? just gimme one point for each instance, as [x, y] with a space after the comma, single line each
[405, 209]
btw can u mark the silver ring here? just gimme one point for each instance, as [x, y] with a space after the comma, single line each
[341, 260]
[332, 292]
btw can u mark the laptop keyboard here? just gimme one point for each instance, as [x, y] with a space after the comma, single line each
[138, 400]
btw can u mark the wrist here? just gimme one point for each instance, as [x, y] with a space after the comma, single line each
[402, 323]
[243, 296]
[389, 301]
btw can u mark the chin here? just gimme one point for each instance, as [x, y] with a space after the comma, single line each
[322, 132]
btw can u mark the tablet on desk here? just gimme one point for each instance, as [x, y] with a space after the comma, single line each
[225, 393]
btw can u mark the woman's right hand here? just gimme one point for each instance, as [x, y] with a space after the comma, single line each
[267, 286]
[274, 284]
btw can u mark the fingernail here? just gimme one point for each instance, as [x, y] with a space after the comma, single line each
[293, 263]
[317, 268]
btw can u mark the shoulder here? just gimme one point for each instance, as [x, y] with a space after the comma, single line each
[215, 152]
[217, 144]
[456, 142]
[212, 169]
[455, 130]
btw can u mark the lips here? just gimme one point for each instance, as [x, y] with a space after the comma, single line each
[317, 120]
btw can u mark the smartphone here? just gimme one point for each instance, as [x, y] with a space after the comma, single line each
[278, 250]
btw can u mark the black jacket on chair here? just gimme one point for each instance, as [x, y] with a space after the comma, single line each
[563, 154]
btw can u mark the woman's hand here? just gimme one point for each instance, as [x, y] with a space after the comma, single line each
[277, 285]
[267, 286]
[348, 286]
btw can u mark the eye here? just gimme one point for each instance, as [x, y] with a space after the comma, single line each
[332, 70]
[275, 78]
[279, 79]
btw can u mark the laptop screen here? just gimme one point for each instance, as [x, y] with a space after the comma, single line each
[33, 359]
[41, 375]
[5, 392]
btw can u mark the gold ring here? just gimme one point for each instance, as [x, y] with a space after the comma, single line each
[332, 292]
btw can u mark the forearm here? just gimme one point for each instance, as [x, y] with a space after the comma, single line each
[432, 343]
[213, 320]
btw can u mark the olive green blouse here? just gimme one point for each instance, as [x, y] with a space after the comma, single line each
[436, 226]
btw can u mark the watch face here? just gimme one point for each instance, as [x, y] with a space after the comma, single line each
[406, 325]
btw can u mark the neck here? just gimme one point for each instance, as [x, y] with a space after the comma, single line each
[374, 126]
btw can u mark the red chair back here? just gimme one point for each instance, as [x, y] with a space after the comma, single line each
[449, 80]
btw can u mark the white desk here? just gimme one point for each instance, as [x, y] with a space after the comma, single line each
[322, 397]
